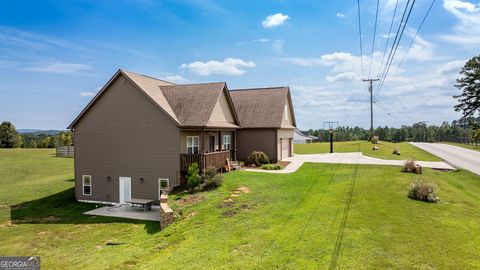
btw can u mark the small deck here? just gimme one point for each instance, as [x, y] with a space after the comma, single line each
[217, 160]
[123, 211]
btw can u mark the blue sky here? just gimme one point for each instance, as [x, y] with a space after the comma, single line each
[54, 55]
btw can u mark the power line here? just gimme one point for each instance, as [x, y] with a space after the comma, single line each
[388, 37]
[360, 35]
[396, 37]
[408, 50]
[373, 43]
[396, 45]
[415, 36]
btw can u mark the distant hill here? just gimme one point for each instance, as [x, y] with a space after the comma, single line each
[38, 131]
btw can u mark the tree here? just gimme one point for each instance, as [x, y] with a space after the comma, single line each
[65, 137]
[469, 84]
[8, 135]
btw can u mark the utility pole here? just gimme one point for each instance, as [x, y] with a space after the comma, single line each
[370, 89]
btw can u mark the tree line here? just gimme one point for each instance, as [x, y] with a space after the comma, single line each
[463, 130]
[10, 138]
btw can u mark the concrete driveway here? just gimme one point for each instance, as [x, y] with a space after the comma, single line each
[348, 158]
[457, 156]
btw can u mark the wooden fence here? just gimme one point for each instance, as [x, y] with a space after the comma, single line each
[65, 151]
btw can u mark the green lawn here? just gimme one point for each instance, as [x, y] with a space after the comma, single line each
[324, 216]
[467, 146]
[385, 150]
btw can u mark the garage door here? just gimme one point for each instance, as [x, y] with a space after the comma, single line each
[285, 148]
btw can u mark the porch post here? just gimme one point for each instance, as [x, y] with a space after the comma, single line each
[220, 141]
[202, 149]
[234, 144]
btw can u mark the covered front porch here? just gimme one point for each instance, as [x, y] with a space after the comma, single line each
[209, 148]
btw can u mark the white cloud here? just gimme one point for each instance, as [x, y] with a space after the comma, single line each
[87, 94]
[278, 46]
[58, 68]
[274, 20]
[344, 76]
[174, 78]
[452, 67]
[262, 40]
[467, 31]
[229, 66]
[341, 15]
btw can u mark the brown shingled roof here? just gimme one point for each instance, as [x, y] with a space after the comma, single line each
[193, 103]
[261, 107]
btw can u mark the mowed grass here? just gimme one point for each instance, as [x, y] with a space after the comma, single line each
[467, 146]
[324, 216]
[385, 150]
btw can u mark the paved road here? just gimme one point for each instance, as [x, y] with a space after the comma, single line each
[457, 156]
[348, 158]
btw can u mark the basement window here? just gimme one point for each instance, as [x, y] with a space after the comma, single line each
[192, 144]
[162, 186]
[87, 184]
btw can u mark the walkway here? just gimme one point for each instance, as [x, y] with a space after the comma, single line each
[347, 158]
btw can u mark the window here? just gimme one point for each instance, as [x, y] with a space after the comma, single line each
[285, 113]
[87, 184]
[192, 144]
[227, 142]
[162, 185]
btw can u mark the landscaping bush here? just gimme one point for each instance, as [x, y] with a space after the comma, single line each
[193, 176]
[375, 139]
[208, 180]
[271, 167]
[409, 165]
[258, 158]
[423, 191]
[209, 183]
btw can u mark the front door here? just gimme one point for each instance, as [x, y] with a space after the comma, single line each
[125, 192]
[211, 144]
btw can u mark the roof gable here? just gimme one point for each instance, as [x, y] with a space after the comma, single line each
[262, 107]
[144, 84]
[193, 104]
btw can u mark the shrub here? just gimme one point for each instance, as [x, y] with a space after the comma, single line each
[423, 191]
[396, 151]
[209, 183]
[258, 158]
[193, 176]
[271, 167]
[409, 165]
[375, 139]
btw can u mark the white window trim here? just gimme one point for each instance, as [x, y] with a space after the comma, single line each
[225, 142]
[160, 185]
[285, 113]
[193, 143]
[83, 185]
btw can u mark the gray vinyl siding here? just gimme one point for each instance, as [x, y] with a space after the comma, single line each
[125, 134]
[249, 140]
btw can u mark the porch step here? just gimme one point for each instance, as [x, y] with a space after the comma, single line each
[234, 165]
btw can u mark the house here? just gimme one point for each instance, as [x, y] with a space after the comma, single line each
[300, 137]
[139, 134]
[267, 122]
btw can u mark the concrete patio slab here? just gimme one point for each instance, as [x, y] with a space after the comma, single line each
[124, 211]
[348, 158]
